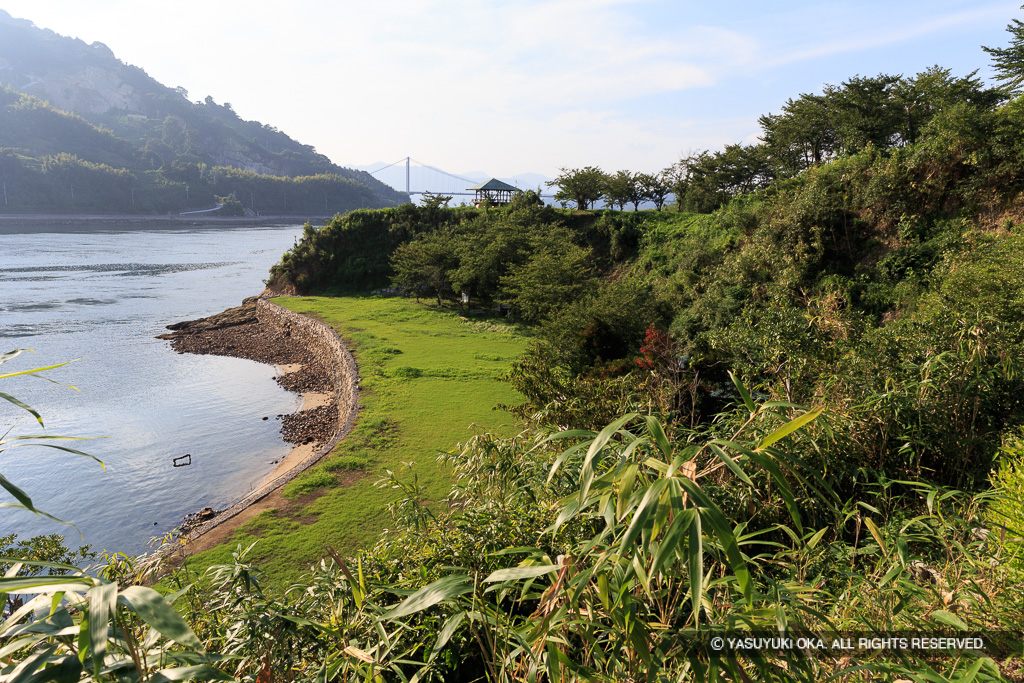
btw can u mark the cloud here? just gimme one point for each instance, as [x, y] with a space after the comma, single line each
[895, 31]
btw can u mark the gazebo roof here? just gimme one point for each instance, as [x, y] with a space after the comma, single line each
[493, 184]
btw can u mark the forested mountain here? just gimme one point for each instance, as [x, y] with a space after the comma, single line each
[73, 115]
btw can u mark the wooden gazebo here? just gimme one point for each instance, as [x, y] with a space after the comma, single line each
[494, 191]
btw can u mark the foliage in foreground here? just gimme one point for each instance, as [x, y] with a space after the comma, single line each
[620, 556]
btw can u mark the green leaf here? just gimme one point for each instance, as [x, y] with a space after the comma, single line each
[516, 573]
[596, 446]
[766, 461]
[200, 672]
[19, 506]
[876, 534]
[67, 670]
[23, 406]
[44, 584]
[35, 370]
[431, 594]
[673, 539]
[565, 454]
[102, 603]
[642, 512]
[657, 433]
[54, 446]
[716, 519]
[816, 538]
[744, 394]
[696, 548]
[22, 497]
[446, 633]
[602, 591]
[731, 464]
[39, 563]
[948, 618]
[625, 485]
[151, 607]
[790, 427]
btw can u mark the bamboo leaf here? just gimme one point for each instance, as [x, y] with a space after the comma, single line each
[731, 464]
[7, 355]
[790, 427]
[672, 540]
[152, 608]
[641, 514]
[816, 538]
[202, 672]
[657, 433]
[19, 506]
[516, 573]
[744, 394]
[431, 594]
[596, 446]
[44, 584]
[696, 548]
[949, 619]
[565, 454]
[23, 406]
[602, 591]
[716, 519]
[876, 534]
[35, 370]
[625, 484]
[20, 495]
[446, 633]
[102, 603]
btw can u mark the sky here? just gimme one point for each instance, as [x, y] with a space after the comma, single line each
[515, 86]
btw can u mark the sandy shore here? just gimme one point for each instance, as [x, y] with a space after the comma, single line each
[310, 401]
[328, 408]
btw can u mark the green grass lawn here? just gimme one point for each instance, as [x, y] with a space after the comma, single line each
[429, 378]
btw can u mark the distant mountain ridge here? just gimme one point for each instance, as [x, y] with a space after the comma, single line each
[394, 176]
[63, 96]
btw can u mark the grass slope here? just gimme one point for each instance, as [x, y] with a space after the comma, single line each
[427, 376]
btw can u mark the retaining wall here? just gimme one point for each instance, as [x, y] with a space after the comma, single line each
[324, 344]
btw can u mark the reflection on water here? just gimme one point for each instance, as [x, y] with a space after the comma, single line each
[101, 297]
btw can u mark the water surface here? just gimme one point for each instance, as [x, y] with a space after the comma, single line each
[101, 296]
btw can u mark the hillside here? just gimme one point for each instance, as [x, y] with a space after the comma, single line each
[773, 434]
[795, 407]
[109, 121]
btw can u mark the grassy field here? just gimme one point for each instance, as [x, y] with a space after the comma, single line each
[428, 377]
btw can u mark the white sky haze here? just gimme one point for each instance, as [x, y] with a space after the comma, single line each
[512, 86]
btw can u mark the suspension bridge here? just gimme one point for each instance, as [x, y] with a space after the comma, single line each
[421, 179]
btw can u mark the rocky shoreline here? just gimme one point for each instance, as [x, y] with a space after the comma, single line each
[264, 332]
[238, 332]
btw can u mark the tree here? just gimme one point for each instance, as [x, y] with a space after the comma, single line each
[620, 189]
[581, 185]
[1009, 61]
[557, 273]
[655, 187]
[426, 264]
[864, 112]
[801, 136]
[436, 201]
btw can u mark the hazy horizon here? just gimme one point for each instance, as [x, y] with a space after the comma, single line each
[514, 88]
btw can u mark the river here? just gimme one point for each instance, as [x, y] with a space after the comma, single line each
[101, 295]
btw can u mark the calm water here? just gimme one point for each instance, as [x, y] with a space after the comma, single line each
[101, 296]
